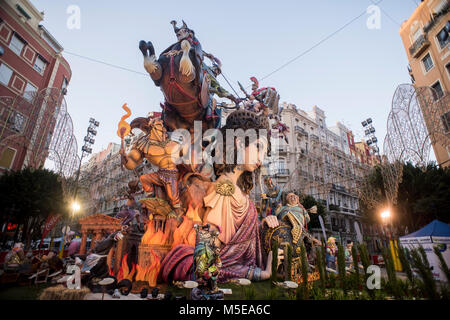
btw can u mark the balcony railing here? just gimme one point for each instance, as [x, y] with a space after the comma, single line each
[283, 148]
[445, 8]
[314, 137]
[300, 131]
[282, 172]
[419, 46]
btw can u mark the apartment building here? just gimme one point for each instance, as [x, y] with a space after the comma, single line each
[426, 38]
[320, 161]
[31, 63]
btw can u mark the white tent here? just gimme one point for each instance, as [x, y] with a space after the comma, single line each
[434, 234]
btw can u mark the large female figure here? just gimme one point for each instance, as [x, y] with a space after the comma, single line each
[229, 208]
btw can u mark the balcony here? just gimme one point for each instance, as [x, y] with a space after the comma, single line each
[419, 46]
[282, 172]
[441, 13]
[333, 207]
[300, 131]
[283, 149]
[314, 137]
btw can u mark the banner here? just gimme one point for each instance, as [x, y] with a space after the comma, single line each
[49, 225]
[322, 226]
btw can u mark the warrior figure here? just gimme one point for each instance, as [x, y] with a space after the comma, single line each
[206, 263]
[270, 198]
[159, 150]
[281, 127]
[215, 88]
[267, 96]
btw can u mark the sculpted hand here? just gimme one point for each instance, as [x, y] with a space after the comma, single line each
[312, 209]
[123, 157]
[271, 221]
[280, 257]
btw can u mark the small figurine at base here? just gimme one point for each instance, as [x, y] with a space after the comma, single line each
[206, 264]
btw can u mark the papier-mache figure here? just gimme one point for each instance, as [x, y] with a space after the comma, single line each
[206, 264]
[331, 251]
[159, 150]
[267, 96]
[215, 88]
[270, 198]
[296, 214]
[281, 127]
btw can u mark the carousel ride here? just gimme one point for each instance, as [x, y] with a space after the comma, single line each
[174, 217]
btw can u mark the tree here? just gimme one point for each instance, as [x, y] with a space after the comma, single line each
[422, 196]
[28, 197]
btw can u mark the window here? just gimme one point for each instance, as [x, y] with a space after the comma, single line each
[417, 34]
[448, 69]
[446, 121]
[17, 122]
[427, 62]
[5, 74]
[437, 93]
[29, 91]
[7, 158]
[39, 65]
[16, 45]
[442, 36]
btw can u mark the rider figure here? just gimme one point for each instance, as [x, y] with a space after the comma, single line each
[215, 88]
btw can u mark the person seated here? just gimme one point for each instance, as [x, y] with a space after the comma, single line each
[15, 258]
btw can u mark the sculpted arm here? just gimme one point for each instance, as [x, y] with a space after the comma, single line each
[132, 160]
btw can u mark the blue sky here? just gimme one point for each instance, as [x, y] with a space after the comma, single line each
[351, 76]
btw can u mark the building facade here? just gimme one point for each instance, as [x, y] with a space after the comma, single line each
[33, 80]
[103, 182]
[425, 36]
[323, 162]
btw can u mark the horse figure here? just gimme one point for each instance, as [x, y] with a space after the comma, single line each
[178, 72]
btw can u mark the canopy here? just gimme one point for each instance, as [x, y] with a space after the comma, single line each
[434, 234]
[435, 231]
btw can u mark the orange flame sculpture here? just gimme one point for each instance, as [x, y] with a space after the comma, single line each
[150, 273]
[110, 271]
[124, 127]
[154, 268]
[172, 235]
[150, 237]
[185, 233]
[124, 272]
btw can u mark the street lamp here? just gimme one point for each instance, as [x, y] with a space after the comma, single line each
[385, 217]
[75, 207]
[85, 150]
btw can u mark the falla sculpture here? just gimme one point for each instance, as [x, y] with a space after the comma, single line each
[201, 223]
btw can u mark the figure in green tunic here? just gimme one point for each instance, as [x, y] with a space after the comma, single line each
[206, 263]
[294, 213]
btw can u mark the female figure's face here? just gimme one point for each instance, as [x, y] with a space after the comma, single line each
[254, 154]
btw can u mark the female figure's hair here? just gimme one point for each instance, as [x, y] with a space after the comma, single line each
[241, 119]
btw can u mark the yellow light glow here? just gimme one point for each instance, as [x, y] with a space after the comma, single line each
[75, 206]
[385, 214]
